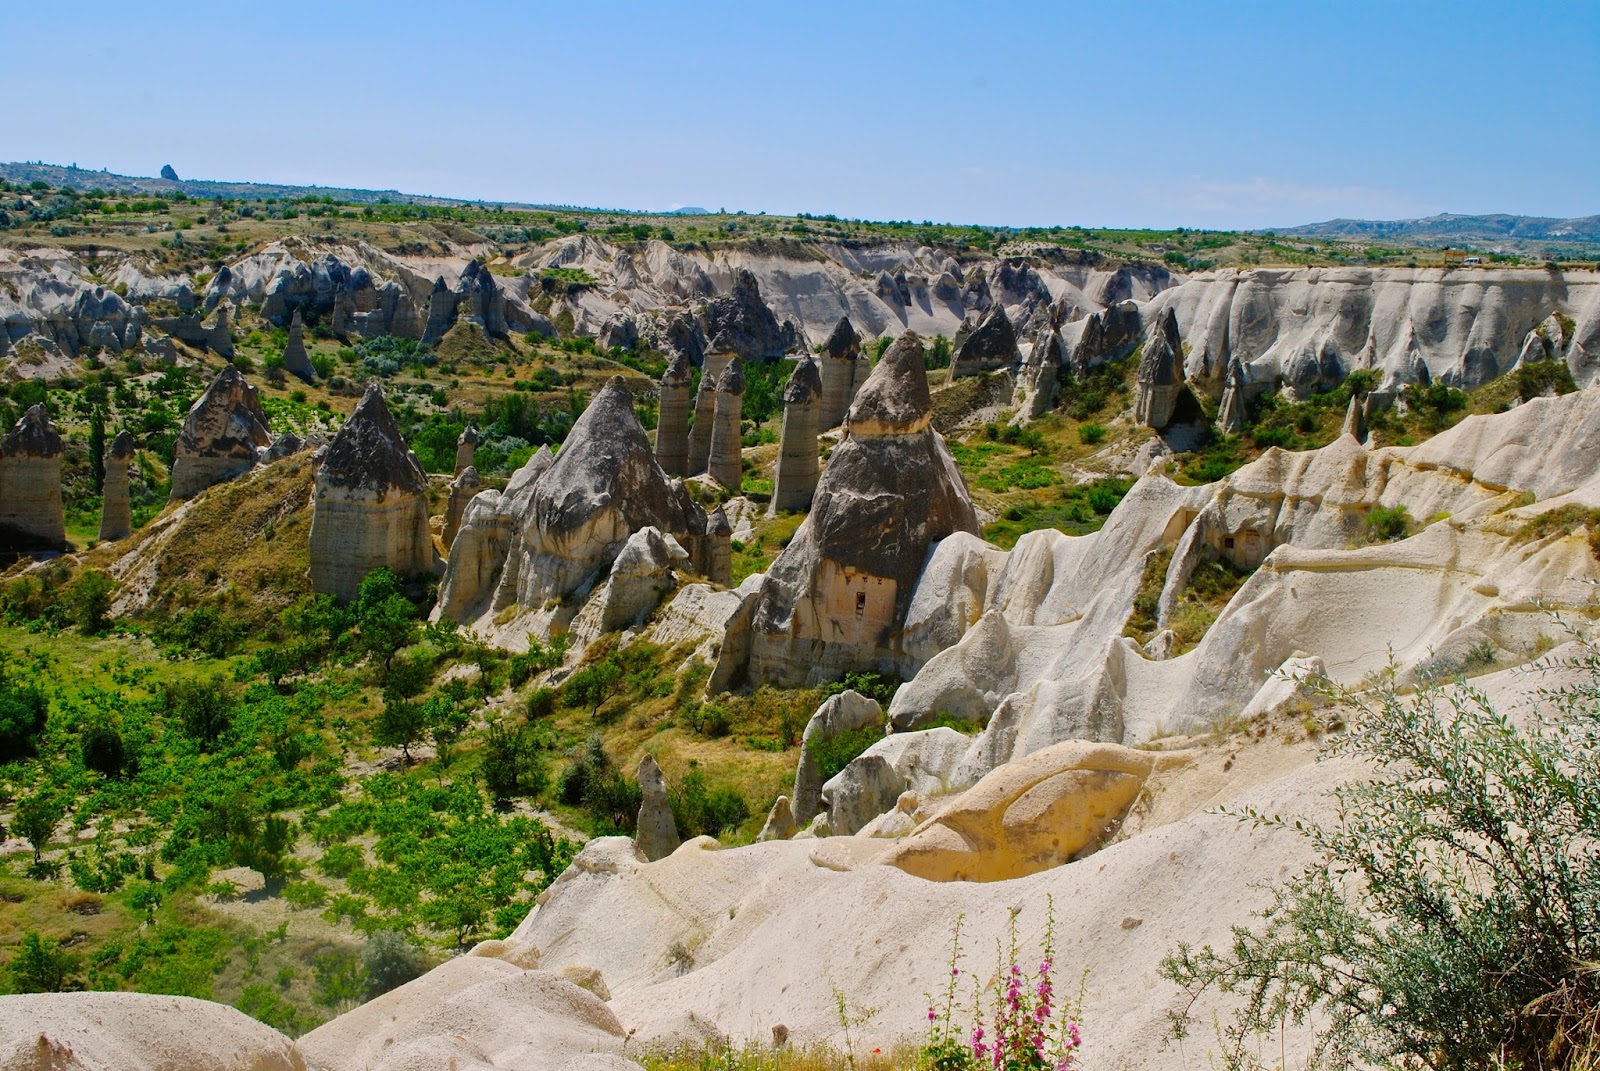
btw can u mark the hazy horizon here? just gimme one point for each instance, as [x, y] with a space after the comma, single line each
[1249, 117]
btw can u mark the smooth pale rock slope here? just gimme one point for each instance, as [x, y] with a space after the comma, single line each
[1041, 656]
[835, 599]
[370, 505]
[136, 1032]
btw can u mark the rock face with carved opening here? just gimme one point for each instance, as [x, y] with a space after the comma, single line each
[221, 436]
[835, 600]
[116, 509]
[31, 514]
[369, 505]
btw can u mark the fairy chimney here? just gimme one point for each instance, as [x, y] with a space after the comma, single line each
[798, 466]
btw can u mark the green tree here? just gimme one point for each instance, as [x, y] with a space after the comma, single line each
[391, 959]
[87, 600]
[36, 819]
[339, 981]
[41, 965]
[97, 449]
[1452, 917]
[103, 750]
[204, 708]
[402, 724]
[23, 713]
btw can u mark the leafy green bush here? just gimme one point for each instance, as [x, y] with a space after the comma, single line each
[1452, 917]
[699, 809]
[1388, 523]
[1091, 434]
[23, 713]
[390, 960]
[512, 763]
[833, 753]
[103, 750]
[41, 965]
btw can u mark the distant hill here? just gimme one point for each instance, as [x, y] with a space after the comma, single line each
[1448, 227]
[79, 179]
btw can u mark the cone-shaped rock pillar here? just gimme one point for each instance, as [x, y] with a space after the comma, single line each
[724, 463]
[798, 467]
[295, 359]
[705, 404]
[672, 422]
[835, 600]
[840, 355]
[31, 515]
[116, 509]
[462, 490]
[1160, 374]
[369, 507]
[466, 446]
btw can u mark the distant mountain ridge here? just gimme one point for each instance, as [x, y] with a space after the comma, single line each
[78, 178]
[1448, 226]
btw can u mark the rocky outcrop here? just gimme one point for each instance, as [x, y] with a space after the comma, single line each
[479, 300]
[213, 333]
[748, 326]
[656, 832]
[1355, 421]
[1039, 379]
[672, 417]
[847, 712]
[645, 572]
[31, 515]
[603, 487]
[474, 1013]
[619, 332]
[991, 346]
[463, 489]
[724, 463]
[717, 359]
[1310, 327]
[1106, 335]
[482, 547]
[136, 1032]
[841, 357]
[1160, 383]
[716, 561]
[369, 507]
[798, 466]
[835, 600]
[1231, 413]
[220, 437]
[295, 360]
[466, 447]
[116, 510]
[1029, 815]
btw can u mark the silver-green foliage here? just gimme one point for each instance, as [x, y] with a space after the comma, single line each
[1453, 917]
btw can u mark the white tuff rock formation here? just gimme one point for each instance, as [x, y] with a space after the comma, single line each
[369, 505]
[31, 514]
[221, 436]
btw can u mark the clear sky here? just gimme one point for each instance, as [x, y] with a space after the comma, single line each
[1199, 113]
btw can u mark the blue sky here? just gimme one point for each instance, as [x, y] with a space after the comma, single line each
[1203, 114]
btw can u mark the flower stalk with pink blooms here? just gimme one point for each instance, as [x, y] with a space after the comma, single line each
[1019, 1022]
